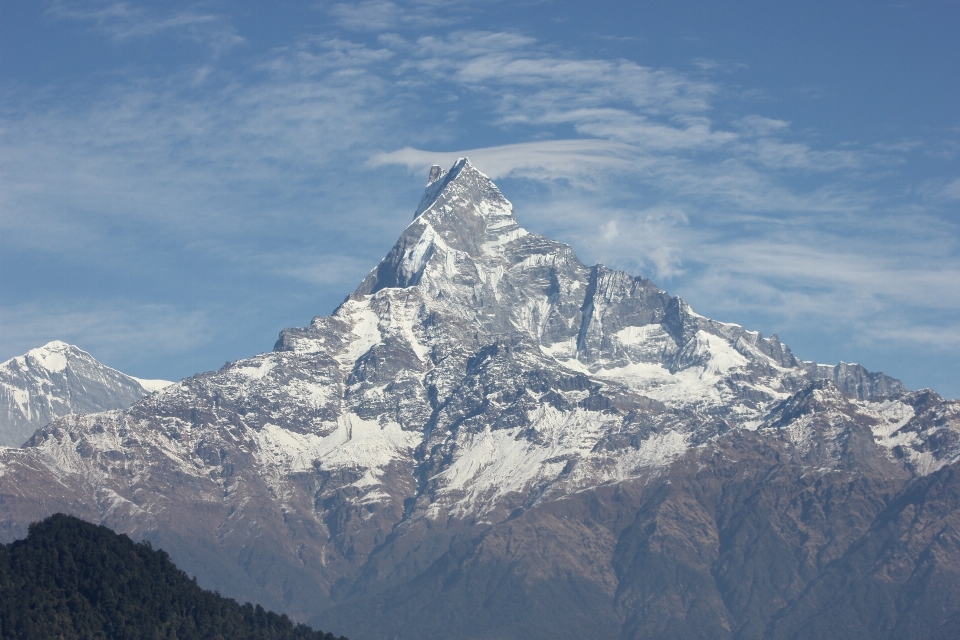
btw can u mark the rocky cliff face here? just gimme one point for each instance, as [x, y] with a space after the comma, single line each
[58, 379]
[490, 439]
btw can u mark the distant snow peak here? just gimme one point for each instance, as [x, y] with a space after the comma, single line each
[58, 379]
[153, 385]
[52, 356]
[53, 345]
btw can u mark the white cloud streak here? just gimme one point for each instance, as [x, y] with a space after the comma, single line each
[383, 15]
[109, 329]
[123, 21]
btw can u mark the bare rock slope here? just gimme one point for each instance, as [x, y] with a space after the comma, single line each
[489, 439]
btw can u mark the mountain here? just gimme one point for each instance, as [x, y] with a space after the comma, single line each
[490, 439]
[58, 379]
[73, 579]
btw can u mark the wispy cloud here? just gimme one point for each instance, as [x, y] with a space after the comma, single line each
[725, 66]
[108, 329]
[383, 15]
[513, 62]
[579, 161]
[123, 21]
[328, 269]
[943, 190]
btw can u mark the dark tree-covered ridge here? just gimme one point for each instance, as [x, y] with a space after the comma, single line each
[72, 579]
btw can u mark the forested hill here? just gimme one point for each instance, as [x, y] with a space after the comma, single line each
[73, 579]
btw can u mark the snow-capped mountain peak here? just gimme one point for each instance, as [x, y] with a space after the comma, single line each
[466, 210]
[458, 236]
[51, 356]
[486, 405]
[55, 380]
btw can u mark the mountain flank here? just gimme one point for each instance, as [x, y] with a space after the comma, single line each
[73, 579]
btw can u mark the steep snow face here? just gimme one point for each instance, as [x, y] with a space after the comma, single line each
[489, 465]
[364, 331]
[469, 211]
[653, 365]
[919, 428]
[355, 443]
[51, 357]
[55, 380]
[562, 455]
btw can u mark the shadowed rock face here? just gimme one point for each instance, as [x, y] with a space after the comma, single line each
[490, 439]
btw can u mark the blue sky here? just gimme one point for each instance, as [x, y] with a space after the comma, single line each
[181, 180]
